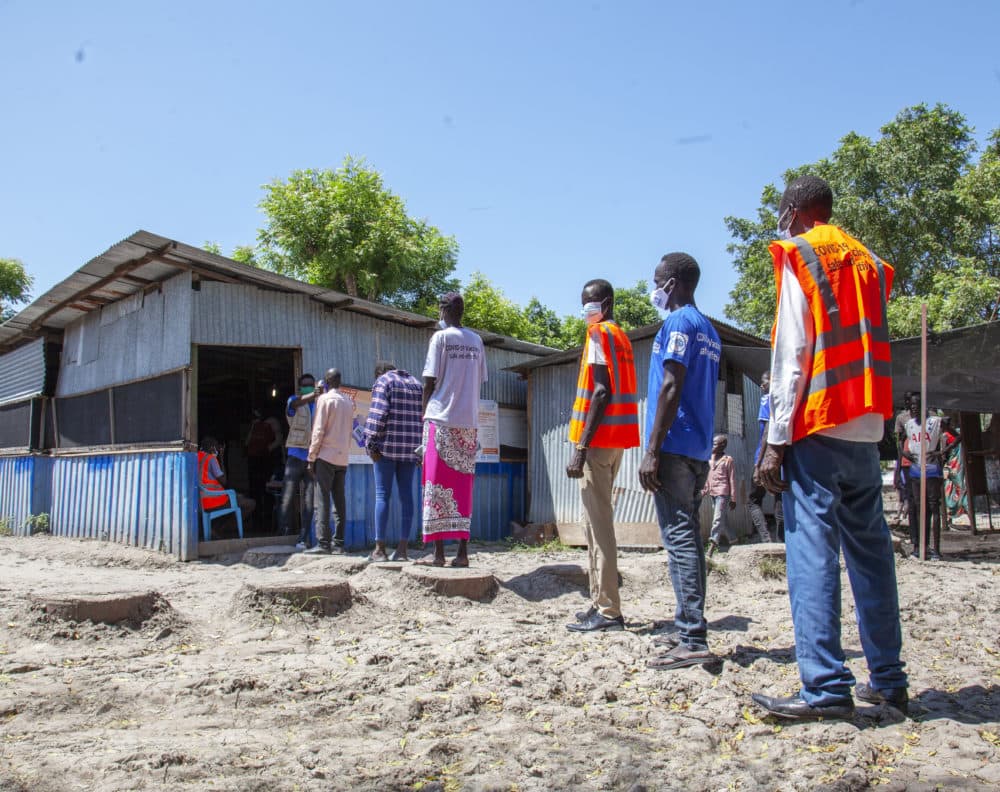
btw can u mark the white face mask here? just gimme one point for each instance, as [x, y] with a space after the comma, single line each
[660, 298]
[786, 231]
[592, 312]
[442, 324]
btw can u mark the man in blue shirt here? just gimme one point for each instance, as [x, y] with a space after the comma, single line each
[680, 423]
[758, 492]
[299, 412]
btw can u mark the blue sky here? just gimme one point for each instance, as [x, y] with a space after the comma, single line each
[558, 141]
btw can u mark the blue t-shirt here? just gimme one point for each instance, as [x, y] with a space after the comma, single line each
[763, 416]
[689, 338]
[298, 453]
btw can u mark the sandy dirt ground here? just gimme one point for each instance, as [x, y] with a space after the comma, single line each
[406, 689]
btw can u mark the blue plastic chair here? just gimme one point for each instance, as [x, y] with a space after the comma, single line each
[208, 516]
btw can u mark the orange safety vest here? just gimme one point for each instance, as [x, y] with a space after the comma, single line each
[847, 288]
[619, 428]
[209, 502]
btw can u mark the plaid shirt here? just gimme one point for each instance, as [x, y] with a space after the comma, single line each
[395, 420]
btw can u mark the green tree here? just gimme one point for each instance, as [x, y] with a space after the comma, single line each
[15, 285]
[346, 230]
[633, 308]
[487, 308]
[913, 195]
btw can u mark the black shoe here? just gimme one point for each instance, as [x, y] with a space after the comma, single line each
[794, 708]
[582, 616]
[933, 555]
[597, 622]
[319, 550]
[894, 697]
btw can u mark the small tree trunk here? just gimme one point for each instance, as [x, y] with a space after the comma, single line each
[351, 284]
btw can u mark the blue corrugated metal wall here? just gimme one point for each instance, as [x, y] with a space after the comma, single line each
[145, 499]
[498, 498]
[150, 499]
[16, 480]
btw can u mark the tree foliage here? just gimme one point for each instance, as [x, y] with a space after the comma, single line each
[487, 308]
[916, 196]
[15, 285]
[346, 230]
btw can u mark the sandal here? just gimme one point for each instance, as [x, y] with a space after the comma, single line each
[459, 564]
[429, 562]
[681, 657]
[376, 559]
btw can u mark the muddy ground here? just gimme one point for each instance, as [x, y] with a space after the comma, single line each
[403, 688]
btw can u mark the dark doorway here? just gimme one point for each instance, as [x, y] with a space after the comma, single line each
[233, 383]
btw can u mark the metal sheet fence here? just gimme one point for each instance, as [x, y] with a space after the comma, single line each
[146, 500]
[16, 478]
[556, 498]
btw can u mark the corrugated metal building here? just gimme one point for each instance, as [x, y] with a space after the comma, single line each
[108, 380]
[555, 498]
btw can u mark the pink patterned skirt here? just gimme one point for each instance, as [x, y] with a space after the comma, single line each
[448, 475]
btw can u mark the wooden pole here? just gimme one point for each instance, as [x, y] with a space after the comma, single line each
[923, 433]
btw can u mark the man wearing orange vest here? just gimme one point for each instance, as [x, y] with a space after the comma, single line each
[605, 421]
[212, 478]
[831, 393]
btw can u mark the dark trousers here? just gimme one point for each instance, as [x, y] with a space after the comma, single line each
[295, 474]
[330, 480]
[933, 513]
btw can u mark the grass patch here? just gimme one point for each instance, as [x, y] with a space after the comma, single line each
[554, 545]
[717, 567]
[6, 529]
[772, 567]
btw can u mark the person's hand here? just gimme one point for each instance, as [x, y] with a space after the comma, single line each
[310, 468]
[375, 454]
[732, 505]
[770, 469]
[575, 467]
[755, 478]
[649, 471]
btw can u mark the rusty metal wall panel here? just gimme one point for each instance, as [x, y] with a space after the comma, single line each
[22, 372]
[556, 498]
[145, 500]
[240, 315]
[152, 337]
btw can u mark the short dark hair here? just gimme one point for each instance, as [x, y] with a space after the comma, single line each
[306, 376]
[681, 266]
[452, 302]
[602, 288]
[808, 192]
[382, 366]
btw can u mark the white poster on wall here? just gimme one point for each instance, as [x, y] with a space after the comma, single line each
[489, 432]
[362, 400]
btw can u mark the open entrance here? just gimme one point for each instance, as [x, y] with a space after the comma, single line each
[241, 396]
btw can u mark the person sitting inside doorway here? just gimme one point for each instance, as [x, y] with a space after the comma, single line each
[212, 477]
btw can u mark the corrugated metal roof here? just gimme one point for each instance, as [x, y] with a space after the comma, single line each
[729, 335]
[22, 372]
[144, 259]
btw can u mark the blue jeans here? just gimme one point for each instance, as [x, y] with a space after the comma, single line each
[677, 501]
[295, 472]
[387, 470]
[834, 502]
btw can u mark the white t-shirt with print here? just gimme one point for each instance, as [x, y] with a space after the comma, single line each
[457, 360]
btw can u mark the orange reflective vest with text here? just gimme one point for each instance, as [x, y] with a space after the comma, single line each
[847, 289]
[209, 502]
[619, 427]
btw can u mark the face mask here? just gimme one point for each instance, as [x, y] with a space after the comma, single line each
[592, 312]
[660, 298]
[786, 231]
[305, 390]
[442, 324]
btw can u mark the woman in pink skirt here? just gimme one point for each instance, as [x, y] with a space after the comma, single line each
[453, 375]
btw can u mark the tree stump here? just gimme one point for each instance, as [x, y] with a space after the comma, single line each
[326, 598]
[473, 584]
[133, 607]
